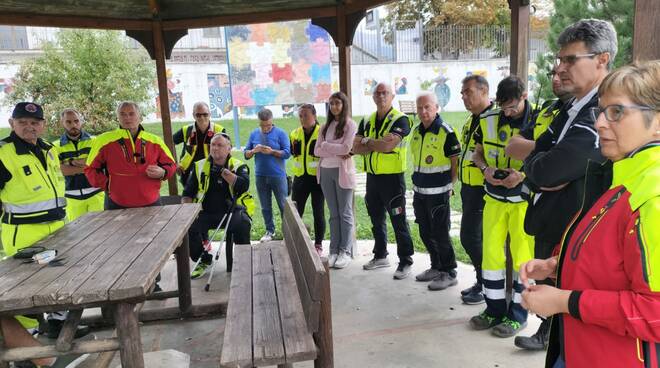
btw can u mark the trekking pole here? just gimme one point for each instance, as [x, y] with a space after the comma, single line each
[217, 253]
[210, 239]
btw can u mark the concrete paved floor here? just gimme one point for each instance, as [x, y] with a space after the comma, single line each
[377, 322]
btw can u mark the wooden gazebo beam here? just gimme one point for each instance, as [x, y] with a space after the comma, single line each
[19, 19]
[237, 19]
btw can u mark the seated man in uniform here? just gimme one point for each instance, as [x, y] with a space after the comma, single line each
[220, 183]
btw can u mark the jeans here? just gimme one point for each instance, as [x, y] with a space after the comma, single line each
[432, 216]
[471, 225]
[340, 204]
[304, 186]
[265, 186]
[386, 193]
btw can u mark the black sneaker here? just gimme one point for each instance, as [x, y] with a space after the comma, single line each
[55, 326]
[538, 341]
[475, 296]
[476, 286]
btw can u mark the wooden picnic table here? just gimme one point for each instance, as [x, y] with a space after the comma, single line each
[111, 260]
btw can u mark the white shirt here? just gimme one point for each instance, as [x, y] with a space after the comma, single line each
[574, 110]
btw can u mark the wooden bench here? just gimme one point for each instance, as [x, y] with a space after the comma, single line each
[279, 308]
[408, 107]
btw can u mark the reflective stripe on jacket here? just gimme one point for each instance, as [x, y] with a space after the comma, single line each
[203, 173]
[77, 186]
[304, 162]
[393, 162]
[34, 194]
[190, 142]
[431, 168]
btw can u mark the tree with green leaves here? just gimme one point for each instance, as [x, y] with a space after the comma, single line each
[405, 14]
[91, 71]
[618, 12]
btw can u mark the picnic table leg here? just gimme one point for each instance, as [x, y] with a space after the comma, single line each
[183, 276]
[128, 331]
[3, 364]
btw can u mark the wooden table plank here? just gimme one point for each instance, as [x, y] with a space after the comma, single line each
[298, 342]
[11, 270]
[22, 296]
[96, 287]
[135, 281]
[122, 226]
[237, 342]
[268, 346]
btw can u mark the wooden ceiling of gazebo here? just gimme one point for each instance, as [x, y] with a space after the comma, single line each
[174, 14]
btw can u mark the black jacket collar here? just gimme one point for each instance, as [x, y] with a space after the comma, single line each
[24, 148]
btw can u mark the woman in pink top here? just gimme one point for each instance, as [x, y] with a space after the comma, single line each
[336, 174]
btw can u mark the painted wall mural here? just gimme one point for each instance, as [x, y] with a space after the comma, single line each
[279, 64]
[219, 95]
[175, 97]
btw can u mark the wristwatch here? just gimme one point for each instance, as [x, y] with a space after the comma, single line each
[365, 140]
[483, 168]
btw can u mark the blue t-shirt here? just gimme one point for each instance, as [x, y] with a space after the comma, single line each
[269, 165]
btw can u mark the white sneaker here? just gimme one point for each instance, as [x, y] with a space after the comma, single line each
[343, 260]
[268, 236]
[332, 259]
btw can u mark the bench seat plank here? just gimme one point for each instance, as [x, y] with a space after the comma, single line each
[267, 342]
[298, 342]
[237, 343]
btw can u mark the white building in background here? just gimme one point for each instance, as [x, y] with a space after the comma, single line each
[197, 70]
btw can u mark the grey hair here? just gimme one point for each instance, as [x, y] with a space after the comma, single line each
[428, 94]
[200, 103]
[74, 111]
[387, 85]
[128, 103]
[265, 115]
[220, 136]
[479, 80]
[599, 36]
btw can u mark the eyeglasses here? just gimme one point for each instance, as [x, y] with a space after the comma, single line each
[551, 74]
[202, 115]
[614, 113]
[513, 107]
[572, 59]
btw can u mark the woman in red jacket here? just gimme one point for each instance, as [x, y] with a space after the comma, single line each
[607, 300]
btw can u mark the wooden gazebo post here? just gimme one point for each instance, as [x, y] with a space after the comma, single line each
[161, 74]
[646, 43]
[519, 38]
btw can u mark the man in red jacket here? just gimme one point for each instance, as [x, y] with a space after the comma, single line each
[129, 163]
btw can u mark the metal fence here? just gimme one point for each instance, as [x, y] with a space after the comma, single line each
[414, 42]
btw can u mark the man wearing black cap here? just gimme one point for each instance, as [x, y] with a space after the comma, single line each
[31, 192]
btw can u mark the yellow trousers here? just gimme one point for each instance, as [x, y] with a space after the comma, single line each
[502, 219]
[16, 237]
[78, 207]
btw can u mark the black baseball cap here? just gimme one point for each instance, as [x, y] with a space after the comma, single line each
[28, 110]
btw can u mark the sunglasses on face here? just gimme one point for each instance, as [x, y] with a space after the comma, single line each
[614, 113]
[572, 59]
[202, 115]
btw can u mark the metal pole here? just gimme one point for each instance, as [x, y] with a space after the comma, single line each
[237, 136]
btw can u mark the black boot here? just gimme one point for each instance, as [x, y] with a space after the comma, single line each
[538, 341]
